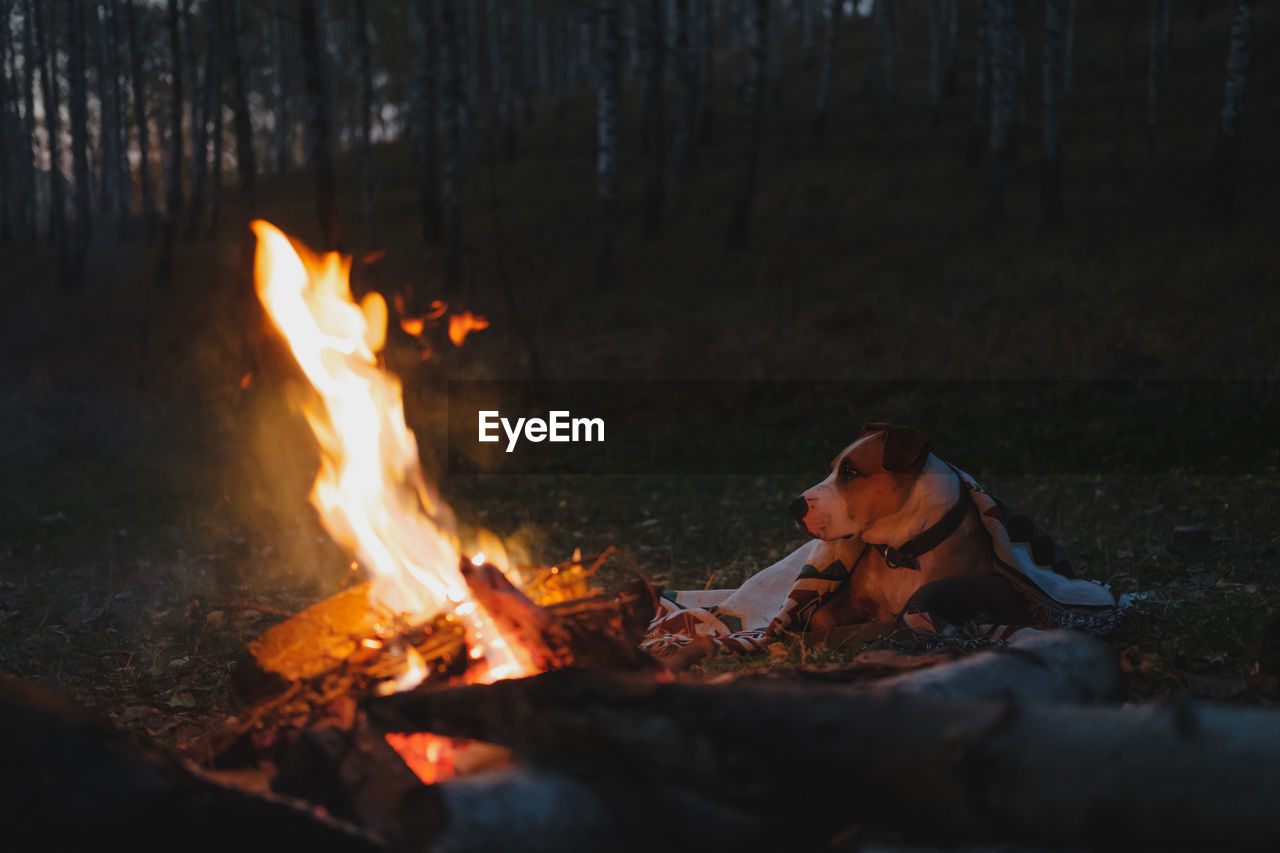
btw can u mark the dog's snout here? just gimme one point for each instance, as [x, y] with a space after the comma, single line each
[799, 507]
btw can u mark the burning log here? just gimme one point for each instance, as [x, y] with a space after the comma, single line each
[71, 781]
[947, 768]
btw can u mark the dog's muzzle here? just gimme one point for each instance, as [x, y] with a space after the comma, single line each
[799, 507]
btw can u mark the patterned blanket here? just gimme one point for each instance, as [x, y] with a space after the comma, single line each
[767, 609]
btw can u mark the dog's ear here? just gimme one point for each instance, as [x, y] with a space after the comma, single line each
[873, 426]
[905, 449]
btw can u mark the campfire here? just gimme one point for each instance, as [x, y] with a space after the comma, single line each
[429, 611]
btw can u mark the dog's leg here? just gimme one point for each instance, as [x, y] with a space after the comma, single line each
[986, 599]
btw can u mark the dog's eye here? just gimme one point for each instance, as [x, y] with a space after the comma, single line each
[847, 472]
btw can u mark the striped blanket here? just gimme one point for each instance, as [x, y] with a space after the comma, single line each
[772, 606]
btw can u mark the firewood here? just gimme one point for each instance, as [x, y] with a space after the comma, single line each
[70, 781]
[1165, 776]
[596, 631]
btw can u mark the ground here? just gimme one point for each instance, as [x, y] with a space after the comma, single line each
[156, 519]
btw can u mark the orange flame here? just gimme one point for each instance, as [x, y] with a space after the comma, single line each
[460, 325]
[371, 493]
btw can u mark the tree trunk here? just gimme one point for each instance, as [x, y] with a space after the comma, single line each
[806, 31]
[173, 164]
[509, 139]
[120, 163]
[1069, 46]
[214, 89]
[740, 219]
[981, 82]
[655, 120]
[281, 88]
[139, 87]
[9, 143]
[818, 126]
[108, 113]
[1227, 154]
[79, 113]
[366, 122]
[608, 94]
[199, 164]
[30, 62]
[706, 77]
[451, 144]
[423, 67]
[1157, 59]
[1002, 38]
[319, 156]
[1051, 117]
[685, 91]
[951, 73]
[47, 38]
[233, 41]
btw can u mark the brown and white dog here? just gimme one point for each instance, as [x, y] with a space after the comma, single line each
[901, 519]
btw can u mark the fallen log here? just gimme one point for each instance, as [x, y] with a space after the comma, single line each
[1171, 776]
[1036, 666]
[70, 781]
[1050, 666]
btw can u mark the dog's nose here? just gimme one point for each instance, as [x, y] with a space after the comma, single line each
[799, 506]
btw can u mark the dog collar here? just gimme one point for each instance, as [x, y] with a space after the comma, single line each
[906, 556]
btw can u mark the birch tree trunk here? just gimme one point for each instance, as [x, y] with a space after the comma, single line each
[79, 113]
[366, 122]
[108, 112]
[608, 93]
[9, 142]
[281, 88]
[199, 164]
[1157, 58]
[30, 62]
[138, 84]
[818, 126]
[423, 64]
[451, 144]
[740, 219]
[1227, 154]
[319, 156]
[233, 41]
[47, 43]
[1051, 117]
[655, 120]
[173, 160]
[217, 30]
[1003, 43]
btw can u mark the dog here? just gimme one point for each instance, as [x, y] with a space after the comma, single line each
[903, 522]
[896, 536]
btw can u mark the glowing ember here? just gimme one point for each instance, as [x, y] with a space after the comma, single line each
[370, 492]
[429, 756]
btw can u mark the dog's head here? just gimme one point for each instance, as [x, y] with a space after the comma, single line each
[869, 480]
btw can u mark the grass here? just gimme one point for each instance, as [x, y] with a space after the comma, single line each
[156, 510]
